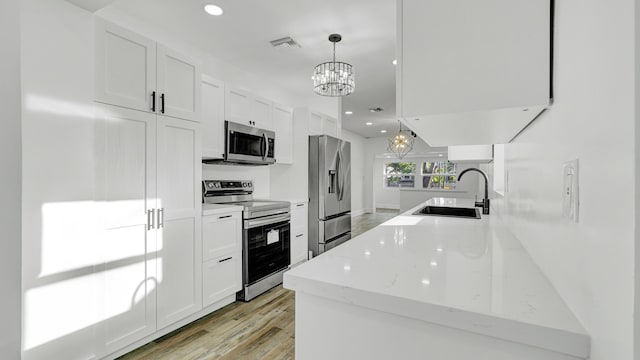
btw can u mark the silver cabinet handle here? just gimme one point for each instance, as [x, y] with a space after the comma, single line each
[299, 235]
[151, 219]
[225, 217]
[160, 218]
[300, 205]
[223, 260]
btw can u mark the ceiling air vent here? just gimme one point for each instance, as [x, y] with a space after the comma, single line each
[285, 43]
[376, 109]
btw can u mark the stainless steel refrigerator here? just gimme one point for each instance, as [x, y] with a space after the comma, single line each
[329, 193]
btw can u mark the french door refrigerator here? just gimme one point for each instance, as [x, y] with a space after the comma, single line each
[329, 193]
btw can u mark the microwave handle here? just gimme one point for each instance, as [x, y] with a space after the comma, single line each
[265, 147]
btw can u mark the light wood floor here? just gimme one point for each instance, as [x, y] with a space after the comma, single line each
[261, 329]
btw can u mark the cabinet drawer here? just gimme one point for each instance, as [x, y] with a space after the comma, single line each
[221, 234]
[299, 214]
[299, 246]
[221, 277]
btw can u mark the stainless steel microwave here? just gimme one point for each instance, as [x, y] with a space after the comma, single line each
[248, 145]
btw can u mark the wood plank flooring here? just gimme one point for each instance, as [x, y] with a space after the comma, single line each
[261, 329]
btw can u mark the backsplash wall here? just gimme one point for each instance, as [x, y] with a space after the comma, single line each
[591, 262]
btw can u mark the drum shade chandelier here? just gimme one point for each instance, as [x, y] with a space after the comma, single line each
[333, 78]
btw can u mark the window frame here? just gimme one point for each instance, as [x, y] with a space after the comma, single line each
[444, 175]
[414, 174]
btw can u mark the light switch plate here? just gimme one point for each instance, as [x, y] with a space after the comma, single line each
[570, 191]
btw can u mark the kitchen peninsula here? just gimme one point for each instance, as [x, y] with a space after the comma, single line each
[418, 286]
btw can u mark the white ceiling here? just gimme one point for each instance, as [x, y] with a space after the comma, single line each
[241, 36]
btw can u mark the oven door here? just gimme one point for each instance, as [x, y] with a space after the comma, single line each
[266, 248]
[246, 144]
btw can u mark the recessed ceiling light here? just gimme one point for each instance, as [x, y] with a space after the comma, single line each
[395, 62]
[348, 112]
[383, 131]
[214, 10]
[369, 123]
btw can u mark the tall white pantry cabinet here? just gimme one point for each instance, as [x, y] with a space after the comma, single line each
[143, 267]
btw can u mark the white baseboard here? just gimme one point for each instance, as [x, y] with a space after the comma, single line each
[387, 206]
[358, 212]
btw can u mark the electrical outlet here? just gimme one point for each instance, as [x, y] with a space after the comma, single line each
[570, 190]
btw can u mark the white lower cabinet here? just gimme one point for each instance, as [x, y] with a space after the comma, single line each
[221, 256]
[221, 277]
[299, 232]
[221, 234]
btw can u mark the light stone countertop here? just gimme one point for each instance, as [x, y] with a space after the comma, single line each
[470, 274]
[215, 209]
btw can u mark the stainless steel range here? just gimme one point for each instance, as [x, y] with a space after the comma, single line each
[266, 239]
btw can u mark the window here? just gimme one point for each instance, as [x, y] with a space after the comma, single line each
[439, 175]
[399, 174]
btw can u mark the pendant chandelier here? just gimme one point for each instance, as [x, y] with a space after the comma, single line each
[402, 142]
[333, 78]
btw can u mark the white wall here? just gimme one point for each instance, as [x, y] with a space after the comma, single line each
[10, 178]
[357, 171]
[591, 263]
[636, 328]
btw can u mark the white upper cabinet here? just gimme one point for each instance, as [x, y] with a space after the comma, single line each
[470, 153]
[212, 118]
[262, 112]
[137, 73]
[238, 106]
[322, 124]
[481, 66]
[330, 126]
[245, 108]
[283, 127]
[125, 67]
[178, 84]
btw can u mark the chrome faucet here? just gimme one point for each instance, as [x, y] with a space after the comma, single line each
[484, 204]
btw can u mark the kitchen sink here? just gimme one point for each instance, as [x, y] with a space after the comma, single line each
[470, 213]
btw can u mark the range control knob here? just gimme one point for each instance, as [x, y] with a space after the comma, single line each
[216, 185]
[244, 184]
[210, 185]
[250, 184]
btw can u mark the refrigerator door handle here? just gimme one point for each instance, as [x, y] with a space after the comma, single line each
[341, 178]
[338, 174]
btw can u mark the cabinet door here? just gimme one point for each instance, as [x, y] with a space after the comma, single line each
[125, 67]
[222, 277]
[488, 56]
[179, 202]
[262, 113]
[315, 123]
[237, 106]
[221, 234]
[330, 126]
[299, 232]
[283, 127]
[178, 85]
[128, 250]
[212, 118]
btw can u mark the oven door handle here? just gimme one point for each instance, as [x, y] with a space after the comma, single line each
[250, 224]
